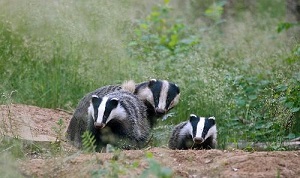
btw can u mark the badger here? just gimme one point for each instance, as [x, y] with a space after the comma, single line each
[196, 133]
[119, 119]
[159, 96]
[79, 121]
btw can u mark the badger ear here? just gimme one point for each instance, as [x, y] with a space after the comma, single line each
[152, 82]
[193, 117]
[114, 101]
[96, 101]
[95, 96]
[213, 118]
[177, 88]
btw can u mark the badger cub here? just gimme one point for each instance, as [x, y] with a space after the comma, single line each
[196, 133]
[120, 119]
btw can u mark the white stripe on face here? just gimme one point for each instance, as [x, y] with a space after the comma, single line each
[146, 94]
[101, 110]
[91, 111]
[174, 102]
[211, 132]
[200, 127]
[163, 95]
[118, 112]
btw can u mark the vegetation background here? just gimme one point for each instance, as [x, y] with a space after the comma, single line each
[238, 61]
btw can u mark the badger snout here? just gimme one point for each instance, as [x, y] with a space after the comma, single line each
[198, 140]
[99, 125]
[160, 111]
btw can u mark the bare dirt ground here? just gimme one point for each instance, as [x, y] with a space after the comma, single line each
[33, 123]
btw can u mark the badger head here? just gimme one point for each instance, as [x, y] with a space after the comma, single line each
[201, 128]
[104, 110]
[161, 95]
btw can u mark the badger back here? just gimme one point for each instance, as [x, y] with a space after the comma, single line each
[123, 112]
[160, 96]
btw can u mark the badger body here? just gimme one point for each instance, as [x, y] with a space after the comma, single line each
[196, 133]
[159, 96]
[119, 119]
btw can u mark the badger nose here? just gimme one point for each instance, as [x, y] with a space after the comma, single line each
[198, 140]
[160, 111]
[99, 125]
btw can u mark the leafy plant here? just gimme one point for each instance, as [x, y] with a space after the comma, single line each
[13, 146]
[88, 142]
[160, 36]
[58, 129]
[215, 11]
[285, 26]
[261, 109]
[117, 166]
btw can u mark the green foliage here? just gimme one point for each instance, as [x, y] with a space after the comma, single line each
[160, 36]
[88, 142]
[112, 168]
[250, 109]
[117, 166]
[59, 131]
[8, 165]
[155, 168]
[13, 146]
[25, 68]
[285, 26]
[215, 11]
[161, 134]
[52, 55]
[49, 53]
[263, 110]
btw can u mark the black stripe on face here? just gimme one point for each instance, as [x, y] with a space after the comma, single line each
[155, 87]
[207, 125]
[110, 105]
[96, 102]
[172, 93]
[194, 121]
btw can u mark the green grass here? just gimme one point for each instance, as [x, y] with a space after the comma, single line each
[52, 54]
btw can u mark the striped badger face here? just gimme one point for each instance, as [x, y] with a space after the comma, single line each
[160, 95]
[201, 128]
[105, 109]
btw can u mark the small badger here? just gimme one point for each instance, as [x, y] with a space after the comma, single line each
[125, 117]
[196, 133]
[159, 96]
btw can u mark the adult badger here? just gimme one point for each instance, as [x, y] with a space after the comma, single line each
[160, 96]
[196, 133]
[120, 119]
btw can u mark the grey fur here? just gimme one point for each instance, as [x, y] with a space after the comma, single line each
[79, 121]
[130, 132]
[181, 138]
